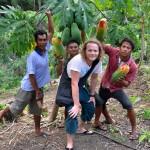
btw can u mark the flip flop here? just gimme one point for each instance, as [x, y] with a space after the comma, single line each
[100, 127]
[43, 134]
[68, 148]
[134, 136]
[86, 132]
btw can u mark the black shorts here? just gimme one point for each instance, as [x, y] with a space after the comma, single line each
[98, 100]
[119, 95]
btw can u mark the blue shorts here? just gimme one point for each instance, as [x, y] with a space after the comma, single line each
[119, 95]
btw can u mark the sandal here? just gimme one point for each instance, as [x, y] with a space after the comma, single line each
[85, 132]
[100, 127]
[68, 148]
[134, 136]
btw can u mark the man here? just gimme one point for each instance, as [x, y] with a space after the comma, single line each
[110, 89]
[72, 49]
[37, 75]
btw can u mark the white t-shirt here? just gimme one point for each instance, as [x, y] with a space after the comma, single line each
[77, 63]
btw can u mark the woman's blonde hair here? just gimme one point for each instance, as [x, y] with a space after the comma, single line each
[83, 51]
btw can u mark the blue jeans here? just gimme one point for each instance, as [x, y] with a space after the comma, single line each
[71, 124]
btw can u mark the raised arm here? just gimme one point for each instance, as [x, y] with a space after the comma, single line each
[108, 49]
[50, 25]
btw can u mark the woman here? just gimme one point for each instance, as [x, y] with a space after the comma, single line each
[72, 85]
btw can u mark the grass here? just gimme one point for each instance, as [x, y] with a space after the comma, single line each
[145, 136]
[146, 114]
[134, 99]
[2, 106]
[115, 134]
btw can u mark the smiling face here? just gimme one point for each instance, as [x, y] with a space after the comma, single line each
[73, 49]
[92, 52]
[125, 50]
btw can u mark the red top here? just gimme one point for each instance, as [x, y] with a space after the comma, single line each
[113, 63]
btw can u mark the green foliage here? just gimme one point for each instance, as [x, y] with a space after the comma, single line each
[134, 99]
[116, 134]
[136, 55]
[25, 4]
[11, 73]
[2, 106]
[45, 113]
[17, 28]
[122, 19]
[113, 129]
[145, 69]
[145, 136]
[69, 11]
[146, 114]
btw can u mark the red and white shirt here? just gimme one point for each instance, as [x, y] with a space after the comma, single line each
[113, 63]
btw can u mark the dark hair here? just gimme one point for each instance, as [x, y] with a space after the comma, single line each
[72, 41]
[129, 41]
[39, 32]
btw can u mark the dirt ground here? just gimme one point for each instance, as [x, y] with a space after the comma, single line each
[20, 135]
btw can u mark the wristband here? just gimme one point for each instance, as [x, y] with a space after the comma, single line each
[92, 95]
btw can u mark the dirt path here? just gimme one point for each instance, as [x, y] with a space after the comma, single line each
[20, 135]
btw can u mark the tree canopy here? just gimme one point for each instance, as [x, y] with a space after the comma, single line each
[126, 18]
